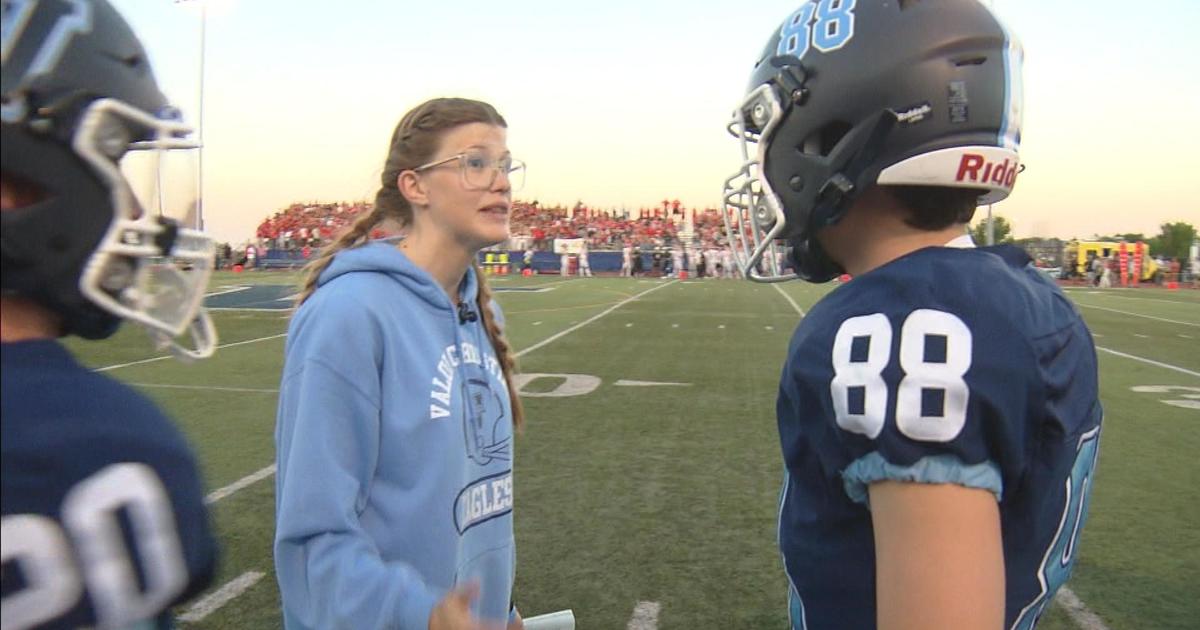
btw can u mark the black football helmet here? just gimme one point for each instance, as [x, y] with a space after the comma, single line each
[84, 122]
[851, 93]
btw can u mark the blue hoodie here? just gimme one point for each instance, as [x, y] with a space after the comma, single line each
[394, 451]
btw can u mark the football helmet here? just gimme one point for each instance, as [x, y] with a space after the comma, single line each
[851, 93]
[108, 236]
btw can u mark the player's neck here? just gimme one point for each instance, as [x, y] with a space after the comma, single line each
[889, 247]
[24, 320]
[873, 234]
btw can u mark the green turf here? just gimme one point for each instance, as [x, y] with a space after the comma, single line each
[668, 493]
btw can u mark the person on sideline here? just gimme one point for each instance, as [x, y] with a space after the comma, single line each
[104, 521]
[397, 405]
[939, 416]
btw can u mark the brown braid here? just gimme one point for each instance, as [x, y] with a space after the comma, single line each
[508, 363]
[354, 235]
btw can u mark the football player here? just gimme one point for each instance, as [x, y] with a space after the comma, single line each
[104, 523]
[939, 415]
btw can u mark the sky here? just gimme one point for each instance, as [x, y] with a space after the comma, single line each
[624, 103]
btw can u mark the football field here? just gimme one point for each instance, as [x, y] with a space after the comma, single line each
[648, 474]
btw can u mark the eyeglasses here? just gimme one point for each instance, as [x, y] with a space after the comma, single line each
[479, 171]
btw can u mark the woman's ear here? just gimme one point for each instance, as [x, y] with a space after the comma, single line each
[412, 186]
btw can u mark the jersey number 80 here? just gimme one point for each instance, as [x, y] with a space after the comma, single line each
[935, 354]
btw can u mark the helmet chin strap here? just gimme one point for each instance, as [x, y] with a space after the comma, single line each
[836, 196]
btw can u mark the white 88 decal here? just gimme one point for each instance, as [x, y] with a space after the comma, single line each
[860, 394]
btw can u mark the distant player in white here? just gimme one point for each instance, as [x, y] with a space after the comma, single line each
[585, 266]
[626, 260]
[727, 263]
[565, 262]
[713, 260]
[676, 260]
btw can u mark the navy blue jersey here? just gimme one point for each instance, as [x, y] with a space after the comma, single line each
[961, 366]
[103, 510]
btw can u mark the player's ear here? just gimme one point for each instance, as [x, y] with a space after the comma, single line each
[414, 188]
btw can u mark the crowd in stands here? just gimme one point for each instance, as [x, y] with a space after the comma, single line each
[307, 226]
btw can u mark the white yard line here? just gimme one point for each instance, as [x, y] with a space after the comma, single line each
[227, 291]
[167, 356]
[1159, 319]
[1104, 294]
[564, 333]
[1084, 618]
[220, 597]
[645, 616]
[252, 478]
[1150, 361]
[789, 299]
[211, 388]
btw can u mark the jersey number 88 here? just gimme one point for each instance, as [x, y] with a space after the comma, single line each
[860, 393]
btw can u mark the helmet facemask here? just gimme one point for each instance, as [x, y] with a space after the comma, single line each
[148, 267]
[754, 216]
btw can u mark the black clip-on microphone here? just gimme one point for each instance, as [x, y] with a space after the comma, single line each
[465, 314]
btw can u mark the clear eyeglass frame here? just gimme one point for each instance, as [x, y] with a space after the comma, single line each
[479, 170]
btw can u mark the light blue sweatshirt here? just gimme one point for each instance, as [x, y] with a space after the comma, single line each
[394, 451]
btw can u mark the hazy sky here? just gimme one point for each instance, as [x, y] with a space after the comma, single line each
[624, 102]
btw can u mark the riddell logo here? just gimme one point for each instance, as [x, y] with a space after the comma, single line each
[975, 168]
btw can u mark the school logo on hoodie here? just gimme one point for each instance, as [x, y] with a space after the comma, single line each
[483, 500]
[484, 429]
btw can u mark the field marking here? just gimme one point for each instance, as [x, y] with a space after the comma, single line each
[645, 616]
[558, 309]
[220, 597]
[789, 299]
[1127, 297]
[1077, 611]
[228, 290]
[1160, 319]
[207, 388]
[167, 356]
[1150, 361]
[255, 477]
[561, 334]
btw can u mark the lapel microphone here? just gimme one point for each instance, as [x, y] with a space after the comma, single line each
[465, 314]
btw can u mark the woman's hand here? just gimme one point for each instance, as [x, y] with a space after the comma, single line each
[454, 611]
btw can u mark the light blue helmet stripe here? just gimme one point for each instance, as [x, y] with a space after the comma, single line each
[1010, 122]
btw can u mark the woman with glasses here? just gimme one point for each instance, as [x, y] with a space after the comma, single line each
[394, 433]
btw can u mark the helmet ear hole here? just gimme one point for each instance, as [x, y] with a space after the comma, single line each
[823, 141]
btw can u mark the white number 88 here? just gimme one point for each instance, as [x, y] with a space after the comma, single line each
[919, 375]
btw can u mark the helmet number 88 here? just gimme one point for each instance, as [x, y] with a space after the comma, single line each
[935, 354]
[832, 28]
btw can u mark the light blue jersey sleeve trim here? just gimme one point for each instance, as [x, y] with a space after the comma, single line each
[872, 467]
